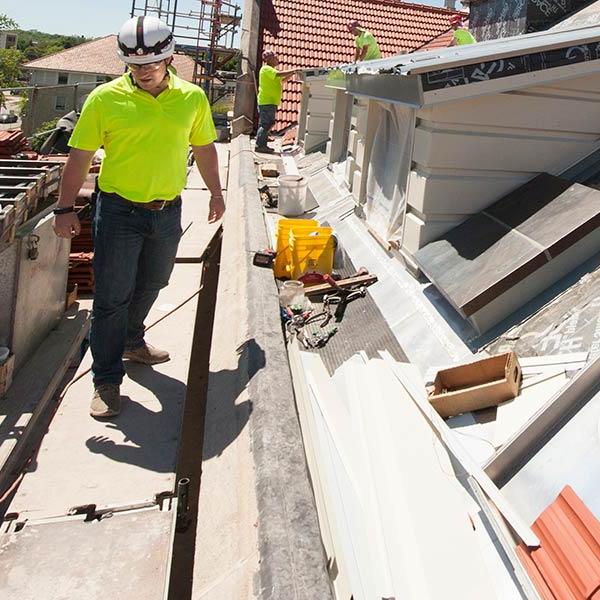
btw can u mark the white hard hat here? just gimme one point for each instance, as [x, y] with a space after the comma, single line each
[143, 40]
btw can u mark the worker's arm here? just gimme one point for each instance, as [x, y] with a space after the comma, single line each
[208, 164]
[74, 174]
[362, 53]
[285, 75]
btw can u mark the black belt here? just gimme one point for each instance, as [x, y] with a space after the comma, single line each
[154, 205]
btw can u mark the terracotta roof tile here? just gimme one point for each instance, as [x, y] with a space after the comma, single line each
[441, 41]
[312, 33]
[566, 566]
[99, 57]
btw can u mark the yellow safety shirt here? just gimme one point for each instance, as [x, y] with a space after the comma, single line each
[269, 86]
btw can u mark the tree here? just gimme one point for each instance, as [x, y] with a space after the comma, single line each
[38, 138]
[7, 23]
[8, 76]
[10, 69]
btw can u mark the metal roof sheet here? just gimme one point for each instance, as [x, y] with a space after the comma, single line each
[424, 61]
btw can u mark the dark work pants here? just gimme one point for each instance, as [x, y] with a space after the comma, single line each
[134, 255]
[266, 120]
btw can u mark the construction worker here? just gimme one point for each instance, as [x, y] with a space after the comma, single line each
[365, 42]
[270, 90]
[145, 120]
[462, 36]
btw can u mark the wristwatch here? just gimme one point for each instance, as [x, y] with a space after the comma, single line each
[64, 210]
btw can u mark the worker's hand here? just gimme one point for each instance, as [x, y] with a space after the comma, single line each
[216, 208]
[67, 225]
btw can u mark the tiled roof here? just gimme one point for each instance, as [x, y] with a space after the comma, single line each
[441, 41]
[566, 566]
[312, 33]
[99, 57]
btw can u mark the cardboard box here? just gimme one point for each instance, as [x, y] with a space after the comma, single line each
[481, 384]
[6, 374]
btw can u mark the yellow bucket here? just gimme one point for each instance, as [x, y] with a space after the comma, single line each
[312, 251]
[283, 259]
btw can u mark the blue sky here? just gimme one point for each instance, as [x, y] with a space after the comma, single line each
[81, 17]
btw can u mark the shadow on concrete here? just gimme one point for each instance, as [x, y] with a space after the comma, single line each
[152, 437]
[226, 417]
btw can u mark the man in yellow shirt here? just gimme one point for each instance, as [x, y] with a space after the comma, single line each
[145, 120]
[462, 36]
[365, 42]
[270, 90]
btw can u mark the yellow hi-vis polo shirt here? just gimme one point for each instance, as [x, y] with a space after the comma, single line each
[269, 86]
[146, 139]
[366, 38]
[463, 37]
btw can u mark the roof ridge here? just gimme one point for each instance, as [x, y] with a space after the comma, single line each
[425, 7]
[31, 62]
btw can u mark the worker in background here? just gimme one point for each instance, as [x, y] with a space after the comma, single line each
[365, 42]
[145, 120]
[270, 89]
[462, 36]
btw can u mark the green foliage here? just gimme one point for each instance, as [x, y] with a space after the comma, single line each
[7, 23]
[35, 44]
[38, 140]
[232, 64]
[10, 69]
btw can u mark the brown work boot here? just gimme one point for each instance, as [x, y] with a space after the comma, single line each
[106, 401]
[147, 355]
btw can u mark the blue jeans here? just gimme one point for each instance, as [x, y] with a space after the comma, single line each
[134, 255]
[266, 120]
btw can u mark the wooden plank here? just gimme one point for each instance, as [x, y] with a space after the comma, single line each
[554, 359]
[406, 375]
[132, 457]
[29, 403]
[326, 288]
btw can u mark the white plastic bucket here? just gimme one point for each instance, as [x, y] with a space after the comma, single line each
[292, 195]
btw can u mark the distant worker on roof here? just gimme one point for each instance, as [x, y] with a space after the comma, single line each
[462, 36]
[365, 42]
[270, 90]
[146, 121]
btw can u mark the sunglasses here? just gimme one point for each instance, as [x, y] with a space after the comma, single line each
[153, 66]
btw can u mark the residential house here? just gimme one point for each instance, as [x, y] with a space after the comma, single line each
[8, 39]
[64, 79]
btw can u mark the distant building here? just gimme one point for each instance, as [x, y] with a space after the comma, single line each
[67, 77]
[8, 39]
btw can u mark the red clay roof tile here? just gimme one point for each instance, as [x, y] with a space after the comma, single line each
[566, 566]
[310, 33]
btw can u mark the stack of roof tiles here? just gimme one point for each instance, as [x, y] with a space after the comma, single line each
[311, 33]
[566, 566]
[12, 142]
[81, 271]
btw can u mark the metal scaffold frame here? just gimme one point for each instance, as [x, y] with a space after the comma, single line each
[203, 29]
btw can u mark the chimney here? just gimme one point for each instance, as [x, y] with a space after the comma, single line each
[450, 4]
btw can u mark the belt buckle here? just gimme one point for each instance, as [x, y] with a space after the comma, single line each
[164, 202]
